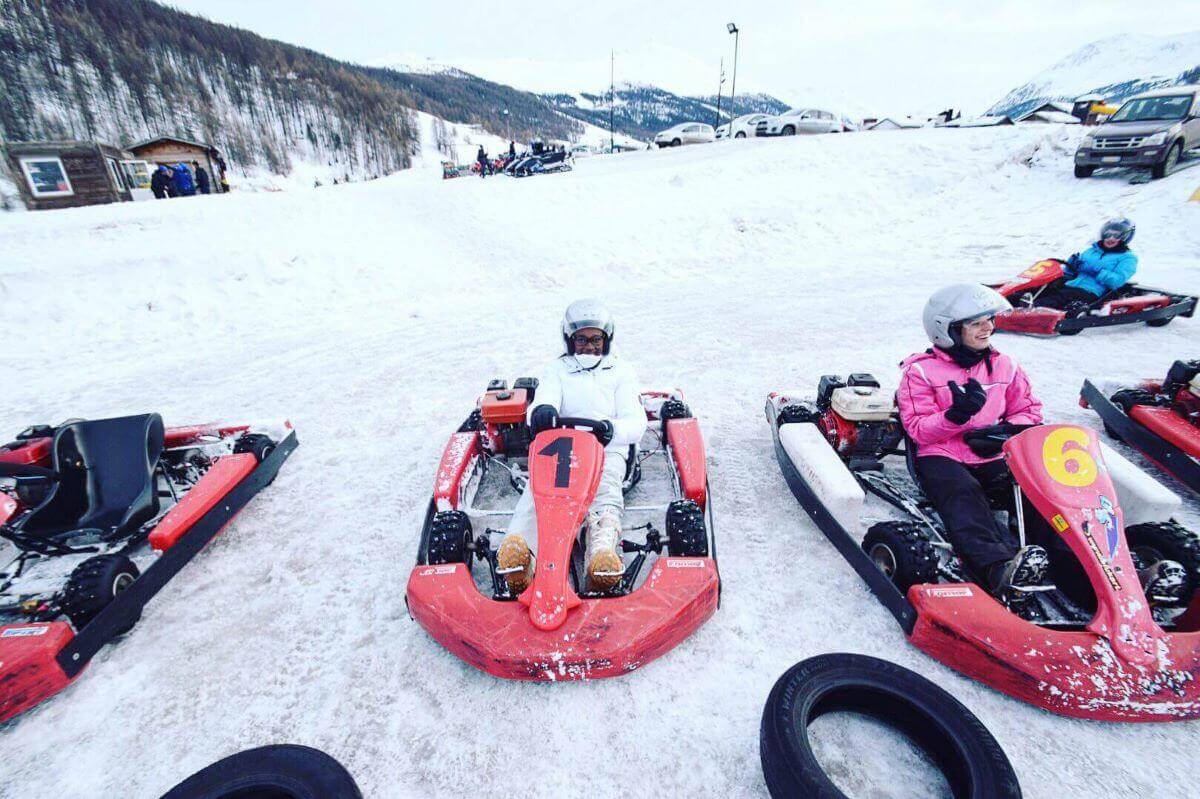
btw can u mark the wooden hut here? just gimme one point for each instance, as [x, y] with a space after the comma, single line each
[171, 150]
[68, 174]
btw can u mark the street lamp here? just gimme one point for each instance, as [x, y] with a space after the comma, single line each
[733, 89]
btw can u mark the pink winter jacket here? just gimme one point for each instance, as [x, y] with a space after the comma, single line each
[924, 398]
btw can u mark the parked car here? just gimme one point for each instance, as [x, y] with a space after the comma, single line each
[687, 133]
[743, 126]
[1150, 130]
[800, 121]
[582, 151]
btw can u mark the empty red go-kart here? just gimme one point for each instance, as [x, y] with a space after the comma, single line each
[555, 629]
[1129, 304]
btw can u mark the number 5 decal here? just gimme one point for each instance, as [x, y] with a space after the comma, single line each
[1073, 467]
[561, 449]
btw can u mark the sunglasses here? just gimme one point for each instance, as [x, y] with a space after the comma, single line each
[582, 340]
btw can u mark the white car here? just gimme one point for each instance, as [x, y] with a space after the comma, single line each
[800, 121]
[687, 133]
[743, 126]
[581, 151]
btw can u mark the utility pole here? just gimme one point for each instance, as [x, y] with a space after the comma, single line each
[612, 98]
[720, 87]
[733, 90]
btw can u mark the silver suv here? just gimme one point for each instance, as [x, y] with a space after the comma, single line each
[1152, 129]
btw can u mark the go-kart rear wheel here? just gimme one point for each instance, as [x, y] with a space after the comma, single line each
[255, 443]
[1159, 322]
[94, 584]
[1127, 398]
[673, 409]
[686, 531]
[1154, 541]
[902, 551]
[791, 414]
[449, 535]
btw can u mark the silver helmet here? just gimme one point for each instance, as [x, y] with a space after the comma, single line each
[586, 313]
[1119, 228]
[962, 302]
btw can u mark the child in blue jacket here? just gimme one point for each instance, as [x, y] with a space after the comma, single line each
[1105, 266]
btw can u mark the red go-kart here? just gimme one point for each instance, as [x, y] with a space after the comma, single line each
[81, 505]
[1123, 661]
[1159, 418]
[555, 629]
[1129, 304]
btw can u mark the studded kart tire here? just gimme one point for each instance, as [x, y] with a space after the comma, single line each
[791, 414]
[256, 443]
[1160, 322]
[974, 765]
[673, 409]
[902, 551]
[284, 771]
[94, 584]
[686, 530]
[1127, 398]
[1155, 541]
[448, 536]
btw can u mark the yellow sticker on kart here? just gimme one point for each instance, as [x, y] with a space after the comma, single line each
[1059, 522]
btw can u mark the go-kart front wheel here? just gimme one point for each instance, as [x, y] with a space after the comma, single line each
[448, 537]
[94, 584]
[686, 530]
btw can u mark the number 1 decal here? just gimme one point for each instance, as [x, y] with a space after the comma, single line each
[561, 449]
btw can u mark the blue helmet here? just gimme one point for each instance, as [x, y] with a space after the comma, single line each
[1119, 228]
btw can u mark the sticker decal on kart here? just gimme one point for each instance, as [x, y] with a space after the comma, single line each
[23, 632]
[951, 592]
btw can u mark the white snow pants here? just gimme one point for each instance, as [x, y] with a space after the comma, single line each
[608, 497]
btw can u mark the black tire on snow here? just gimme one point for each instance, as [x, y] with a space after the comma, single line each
[1126, 398]
[93, 585]
[448, 536]
[1169, 162]
[902, 551]
[1155, 541]
[791, 414]
[283, 771]
[1084, 171]
[970, 758]
[686, 530]
[256, 443]
[1166, 320]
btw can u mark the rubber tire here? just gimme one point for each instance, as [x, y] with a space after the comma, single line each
[92, 587]
[686, 530]
[1084, 171]
[1127, 398]
[1160, 322]
[282, 771]
[793, 414]
[676, 143]
[1173, 541]
[1159, 171]
[672, 409]
[788, 130]
[741, 134]
[916, 560]
[448, 536]
[260, 445]
[974, 764]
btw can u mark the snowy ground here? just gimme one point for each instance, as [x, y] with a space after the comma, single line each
[372, 314]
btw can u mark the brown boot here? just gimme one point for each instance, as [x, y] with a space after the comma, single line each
[604, 565]
[515, 562]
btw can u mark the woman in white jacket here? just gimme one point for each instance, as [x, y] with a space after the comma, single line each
[591, 382]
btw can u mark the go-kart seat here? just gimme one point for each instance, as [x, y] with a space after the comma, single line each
[104, 477]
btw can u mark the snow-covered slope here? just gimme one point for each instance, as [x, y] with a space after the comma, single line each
[1115, 67]
[373, 313]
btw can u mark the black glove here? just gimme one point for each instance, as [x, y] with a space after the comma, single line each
[605, 433]
[965, 402]
[543, 418]
[1071, 265]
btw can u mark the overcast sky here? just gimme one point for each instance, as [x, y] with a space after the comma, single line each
[878, 56]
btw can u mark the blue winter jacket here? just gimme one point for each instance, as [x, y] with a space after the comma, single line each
[1100, 271]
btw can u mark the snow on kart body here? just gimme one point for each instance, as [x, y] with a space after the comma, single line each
[1129, 304]
[1159, 418]
[1119, 663]
[82, 504]
[555, 630]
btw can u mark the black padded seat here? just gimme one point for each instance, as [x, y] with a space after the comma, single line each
[105, 477]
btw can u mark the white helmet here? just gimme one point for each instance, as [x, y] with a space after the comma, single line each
[962, 302]
[586, 313]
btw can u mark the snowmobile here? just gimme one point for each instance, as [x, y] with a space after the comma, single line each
[82, 504]
[538, 161]
[1127, 660]
[1128, 305]
[1161, 419]
[557, 629]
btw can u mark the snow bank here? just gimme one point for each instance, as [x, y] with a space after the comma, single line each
[373, 313]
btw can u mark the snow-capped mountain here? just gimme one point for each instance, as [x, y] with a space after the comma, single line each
[1116, 67]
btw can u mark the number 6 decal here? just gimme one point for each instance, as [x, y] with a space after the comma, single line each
[1058, 458]
[560, 448]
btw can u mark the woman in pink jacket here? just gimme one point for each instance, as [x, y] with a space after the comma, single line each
[959, 385]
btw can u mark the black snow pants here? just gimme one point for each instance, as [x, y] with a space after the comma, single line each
[961, 495]
[1061, 296]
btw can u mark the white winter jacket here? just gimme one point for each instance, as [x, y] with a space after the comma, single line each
[609, 391]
